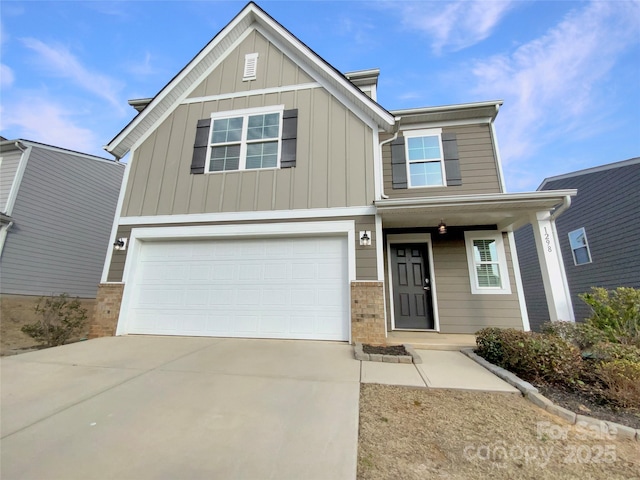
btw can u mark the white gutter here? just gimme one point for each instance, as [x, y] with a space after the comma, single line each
[566, 203]
[395, 135]
[498, 157]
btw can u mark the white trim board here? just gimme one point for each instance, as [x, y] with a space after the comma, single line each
[414, 238]
[248, 216]
[249, 93]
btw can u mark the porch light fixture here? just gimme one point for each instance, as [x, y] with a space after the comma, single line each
[365, 238]
[442, 227]
[120, 244]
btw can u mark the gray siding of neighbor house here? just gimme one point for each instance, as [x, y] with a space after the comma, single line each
[8, 168]
[63, 216]
[459, 310]
[608, 207]
[334, 166]
[531, 275]
[366, 265]
[477, 165]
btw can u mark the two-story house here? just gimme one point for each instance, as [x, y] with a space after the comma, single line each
[269, 195]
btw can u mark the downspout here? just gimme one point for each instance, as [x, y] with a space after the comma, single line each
[566, 203]
[395, 135]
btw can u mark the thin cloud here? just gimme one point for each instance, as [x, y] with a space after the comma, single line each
[6, 76]
[48, 123]
[550, 84]
[143, 68]
[60, 62]
[456, 25]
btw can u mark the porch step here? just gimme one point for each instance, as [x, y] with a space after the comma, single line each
[432, 340]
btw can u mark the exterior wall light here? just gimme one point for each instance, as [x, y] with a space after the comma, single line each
[442, 227]
[365, 237]
[120, 244]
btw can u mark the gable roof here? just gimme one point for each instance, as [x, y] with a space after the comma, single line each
[587, 171]
[190, 76]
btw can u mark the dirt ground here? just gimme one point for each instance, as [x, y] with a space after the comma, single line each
[413, 433]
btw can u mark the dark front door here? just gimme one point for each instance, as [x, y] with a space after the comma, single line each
[412, 305]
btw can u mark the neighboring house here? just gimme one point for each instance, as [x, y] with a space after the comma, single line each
[598, 236]
[269, 195]
[57, 207]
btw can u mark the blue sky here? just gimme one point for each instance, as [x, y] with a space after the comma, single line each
[568, 71]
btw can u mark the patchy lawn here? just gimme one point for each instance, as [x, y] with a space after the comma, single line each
[413, 433]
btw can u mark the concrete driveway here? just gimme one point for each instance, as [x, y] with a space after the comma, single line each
[142, 407]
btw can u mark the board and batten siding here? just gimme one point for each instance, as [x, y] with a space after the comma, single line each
[334, 166]
[9, 162]
[366, 265]
[477, 165]
[62, 220]
[459, 310]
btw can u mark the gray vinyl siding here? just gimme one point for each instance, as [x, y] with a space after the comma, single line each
[531, 274]
[63, 216]
[607, 207]
[477, 165]
[8, 168]
[366, 265]
[334, 166]
[459, 310]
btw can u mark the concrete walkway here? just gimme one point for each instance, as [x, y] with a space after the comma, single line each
[143, 407]
[439, 369]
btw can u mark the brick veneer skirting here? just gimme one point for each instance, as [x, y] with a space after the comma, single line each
[107, 310]
[367, 313]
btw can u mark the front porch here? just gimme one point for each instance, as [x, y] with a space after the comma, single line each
[432, 340]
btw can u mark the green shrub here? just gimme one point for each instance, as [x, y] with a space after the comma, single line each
[616, 313]
[622, 382]
[531, 356]
[489, 342]
[60, 319]
[608, 351]
[582, 335]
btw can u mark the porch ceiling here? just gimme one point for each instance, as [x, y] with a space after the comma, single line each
[508, 211]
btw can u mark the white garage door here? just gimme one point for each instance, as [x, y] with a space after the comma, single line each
[264, 288]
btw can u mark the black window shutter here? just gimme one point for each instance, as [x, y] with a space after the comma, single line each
[200, 146]
[289, 138]
[451, 159]
[398, 164]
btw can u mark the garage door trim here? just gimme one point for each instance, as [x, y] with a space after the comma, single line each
[212, 232]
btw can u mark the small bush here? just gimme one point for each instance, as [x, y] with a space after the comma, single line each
[607, 351]
[582, 335]
[616, 313]
[622, 382]
[61, 319]
[489, 342]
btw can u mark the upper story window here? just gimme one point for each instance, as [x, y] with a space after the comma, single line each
[579, 247]
[245, 141]
[425, 162]
[487, 262]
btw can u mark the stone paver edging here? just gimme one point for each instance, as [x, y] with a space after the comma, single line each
[413, 357]
[532, 394]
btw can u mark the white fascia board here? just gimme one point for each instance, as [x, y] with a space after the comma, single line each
[446, 108]
[485, 198]
[586, 171]
[248, 216]
[17, 181]
[444, 123]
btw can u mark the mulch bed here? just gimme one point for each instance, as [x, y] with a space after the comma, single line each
[585, 404]
[388, 350]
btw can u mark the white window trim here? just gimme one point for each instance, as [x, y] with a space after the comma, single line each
[429, 132]
[586, 244]
[245, 113]
[469, 237]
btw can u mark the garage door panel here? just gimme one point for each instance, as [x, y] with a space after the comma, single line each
[271, 288]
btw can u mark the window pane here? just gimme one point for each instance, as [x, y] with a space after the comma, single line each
[227, 130]
[263, 126]
[425, 174]
[488, 275]
[485, 250]
[578, 238]
[424, 148]
[262, 155]
[224, 158]
[582, 255]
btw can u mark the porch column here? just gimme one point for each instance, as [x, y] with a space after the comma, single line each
[553, 275]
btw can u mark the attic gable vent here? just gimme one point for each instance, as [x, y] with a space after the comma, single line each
[250, 66]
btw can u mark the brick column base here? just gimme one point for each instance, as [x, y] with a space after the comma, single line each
[107, 310]
[367, 313]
